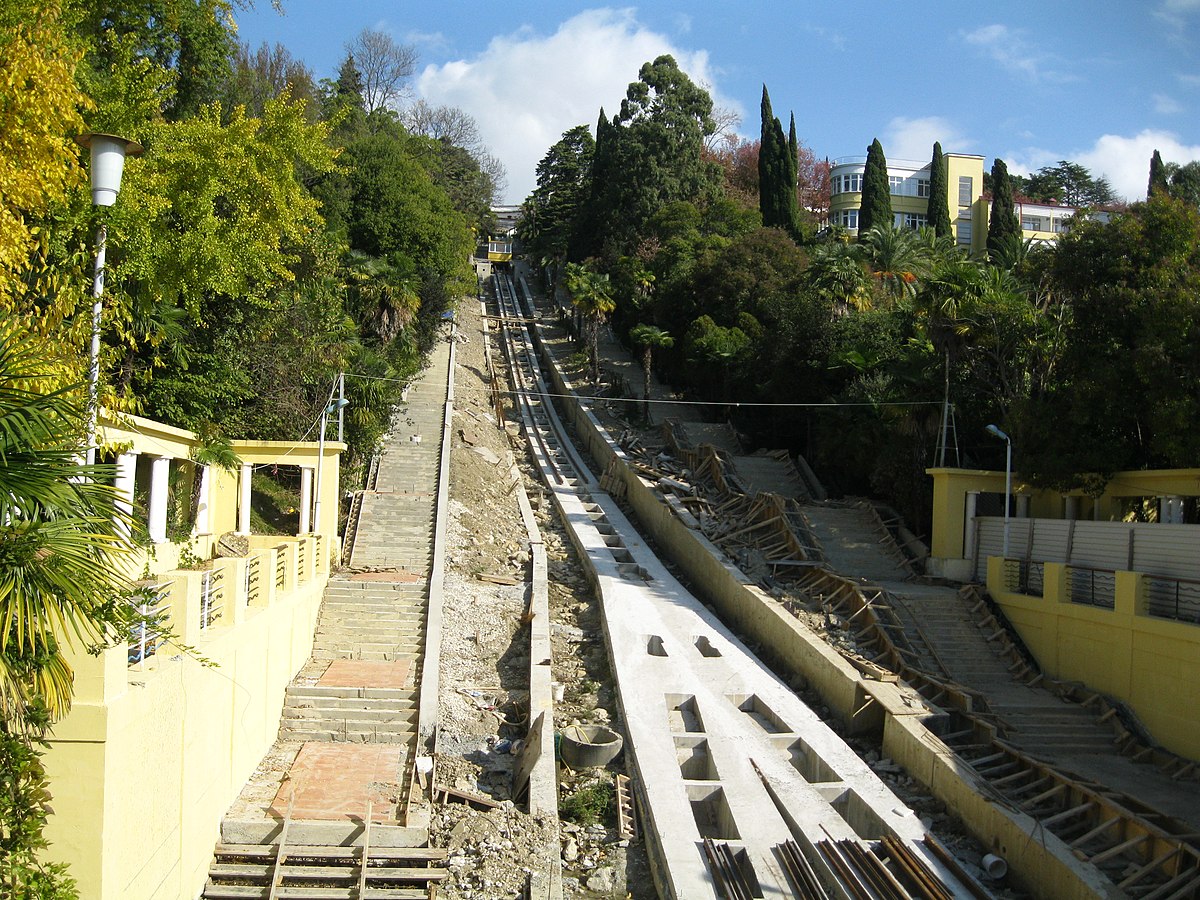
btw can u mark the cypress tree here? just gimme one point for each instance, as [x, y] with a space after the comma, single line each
[939, 197]
[876, 194]
[1158, 177]
[1003, 223]
[793, 150]
[776, 175]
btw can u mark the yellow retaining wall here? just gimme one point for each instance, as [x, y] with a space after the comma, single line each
[151, 756]
[1150, 663]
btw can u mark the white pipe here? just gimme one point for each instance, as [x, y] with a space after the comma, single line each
[93, 398]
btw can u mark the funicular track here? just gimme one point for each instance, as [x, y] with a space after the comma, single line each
[742, 790]
[1142, 852]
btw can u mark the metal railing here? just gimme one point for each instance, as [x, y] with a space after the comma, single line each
[1173, 598]
[212, 597]
[150, 615]
[1092, 587]
[280, 567]
[1024, 576]
[253, 581]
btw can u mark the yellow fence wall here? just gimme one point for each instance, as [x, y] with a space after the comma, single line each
[1150, 663]
[151, 756]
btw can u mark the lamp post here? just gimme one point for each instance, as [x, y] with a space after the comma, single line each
[996, 432]
[336, 406]
[108, 162]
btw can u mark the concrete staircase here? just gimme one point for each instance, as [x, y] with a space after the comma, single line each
[852, 545]
[770, 471]
[360, 686]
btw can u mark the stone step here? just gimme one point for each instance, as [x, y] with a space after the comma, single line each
[317, 732]
[324, 653]
[320, 833]
[333, 693]
[365, 716]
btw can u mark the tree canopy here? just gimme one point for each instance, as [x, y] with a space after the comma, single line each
[876, 207]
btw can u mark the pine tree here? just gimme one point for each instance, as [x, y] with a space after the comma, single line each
[1158, 177]
[876, 194]
[777, 174]
[1003, 225]
[939, 198]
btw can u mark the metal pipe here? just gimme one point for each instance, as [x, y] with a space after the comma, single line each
[93, 395]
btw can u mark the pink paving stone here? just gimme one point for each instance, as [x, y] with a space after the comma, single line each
[335, 781]
[367, 673]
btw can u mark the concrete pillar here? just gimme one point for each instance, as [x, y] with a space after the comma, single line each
[124, 483]
[160, 469]
[1022, 506]
[244, 499]
[1071, 508]
[202, 512]
[969, 534]
[306, 499]
[1170, 510]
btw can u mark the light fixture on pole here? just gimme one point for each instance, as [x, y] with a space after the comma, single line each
[996, 432]
[335, 406]
[108, 162]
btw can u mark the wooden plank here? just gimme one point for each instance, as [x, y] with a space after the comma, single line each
[298, 851]
[530, 754]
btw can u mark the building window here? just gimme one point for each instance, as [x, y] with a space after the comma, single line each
[1033, 223]
[896, 184]
[922, 187]
[964, 226]
[845, 184]
[915, 221]
[847, 218]
[966, 190]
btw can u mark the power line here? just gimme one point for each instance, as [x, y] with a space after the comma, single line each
[735, 403]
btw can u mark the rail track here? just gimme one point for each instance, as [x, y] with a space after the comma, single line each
[743, 791]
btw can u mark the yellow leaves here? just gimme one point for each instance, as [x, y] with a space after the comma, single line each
[39, 114]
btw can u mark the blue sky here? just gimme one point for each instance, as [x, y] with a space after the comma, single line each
[1100, 82]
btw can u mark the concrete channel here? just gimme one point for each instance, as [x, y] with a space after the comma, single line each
[743, 791]
[1070, 840]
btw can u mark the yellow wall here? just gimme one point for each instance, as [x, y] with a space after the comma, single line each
[960, 165]
[1152, 664]
[148, 761]
[150, 757]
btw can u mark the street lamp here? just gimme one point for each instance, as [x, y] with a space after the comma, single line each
[996, 432]
[335, 407]
[108, 162]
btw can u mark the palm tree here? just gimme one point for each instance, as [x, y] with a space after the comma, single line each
[212, 449]
[592, 297]
[838, 274]
[60, 579]
[897, 257]
[649, 337]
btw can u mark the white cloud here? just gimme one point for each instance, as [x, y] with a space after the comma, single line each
[1175, 12]
[527, 88]
[1125, 161]
[913, 139]
[1011, 49]
[1165, 105]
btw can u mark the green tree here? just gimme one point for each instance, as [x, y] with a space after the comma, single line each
[1158, 176]
[1185, 182]
[648, 156]
[939, 195]
[649, 338]
[897, 257]
[777, 198]
[1123, 393]
[592, 297]
[1068, 183]
[551, 211]
[876, 193]
[1003, 224]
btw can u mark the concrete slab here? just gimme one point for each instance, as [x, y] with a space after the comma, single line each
[336, 781]
[394, 674]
